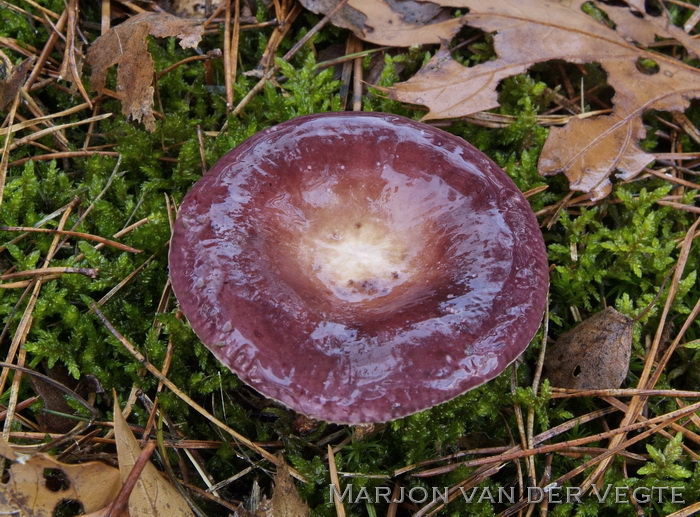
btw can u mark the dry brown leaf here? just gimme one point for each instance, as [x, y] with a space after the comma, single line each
[398, 23]
[126, 45]
[38, 484]
[642, 28]
[152, 495]
[532, 31]
[10, 86]
[594, 355]
[285, 501]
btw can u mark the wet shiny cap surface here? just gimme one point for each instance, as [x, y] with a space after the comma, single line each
[359, 267]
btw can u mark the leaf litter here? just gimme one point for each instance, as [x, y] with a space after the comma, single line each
[528, 32]
[38, 484]
[126, 46]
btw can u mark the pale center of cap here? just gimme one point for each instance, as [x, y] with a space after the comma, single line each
[358, 259]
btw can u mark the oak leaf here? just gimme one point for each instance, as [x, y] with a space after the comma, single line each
[152, 495]
[126, 46]
[37, 484]
[527, 32]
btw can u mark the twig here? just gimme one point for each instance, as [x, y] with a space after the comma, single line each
[105, 17]
[235, 38]
[28, 123]
[561, 393]
[69, 56]
[90, 272]
[120, 504]
[357, 77]
[335, 482]
[83, 153]
[53, 129]
[80, 235]
[680, 206]
[672, 179]
[6, 150]
[228, 84]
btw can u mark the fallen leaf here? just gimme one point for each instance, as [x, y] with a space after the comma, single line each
[38, 483]
[152, 495]
[593, 355]
[391, 22]
[527, 32]
[126, 46]
[285, 501]
[642, 28]
[10, 86]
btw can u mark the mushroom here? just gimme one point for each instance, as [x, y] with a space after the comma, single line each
[359, 267]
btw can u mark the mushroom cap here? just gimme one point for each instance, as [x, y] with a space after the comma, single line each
[359, 267]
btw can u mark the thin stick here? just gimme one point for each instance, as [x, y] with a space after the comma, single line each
[83, 153]
[26, 283]
[228, 85]
[34, 121]
[90, 272]
[41, 8]
[563, 393]
[104, 20]
[235, 37]
[73, 8]
[80, 235]
[339, 507]
[53, 129]
[687, 433]
[536, 386]
[357, 78]
[6, 150]
[350, 56]
[680, 206]
[672, 179]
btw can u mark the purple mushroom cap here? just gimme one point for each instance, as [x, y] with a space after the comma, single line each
[359, 267]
